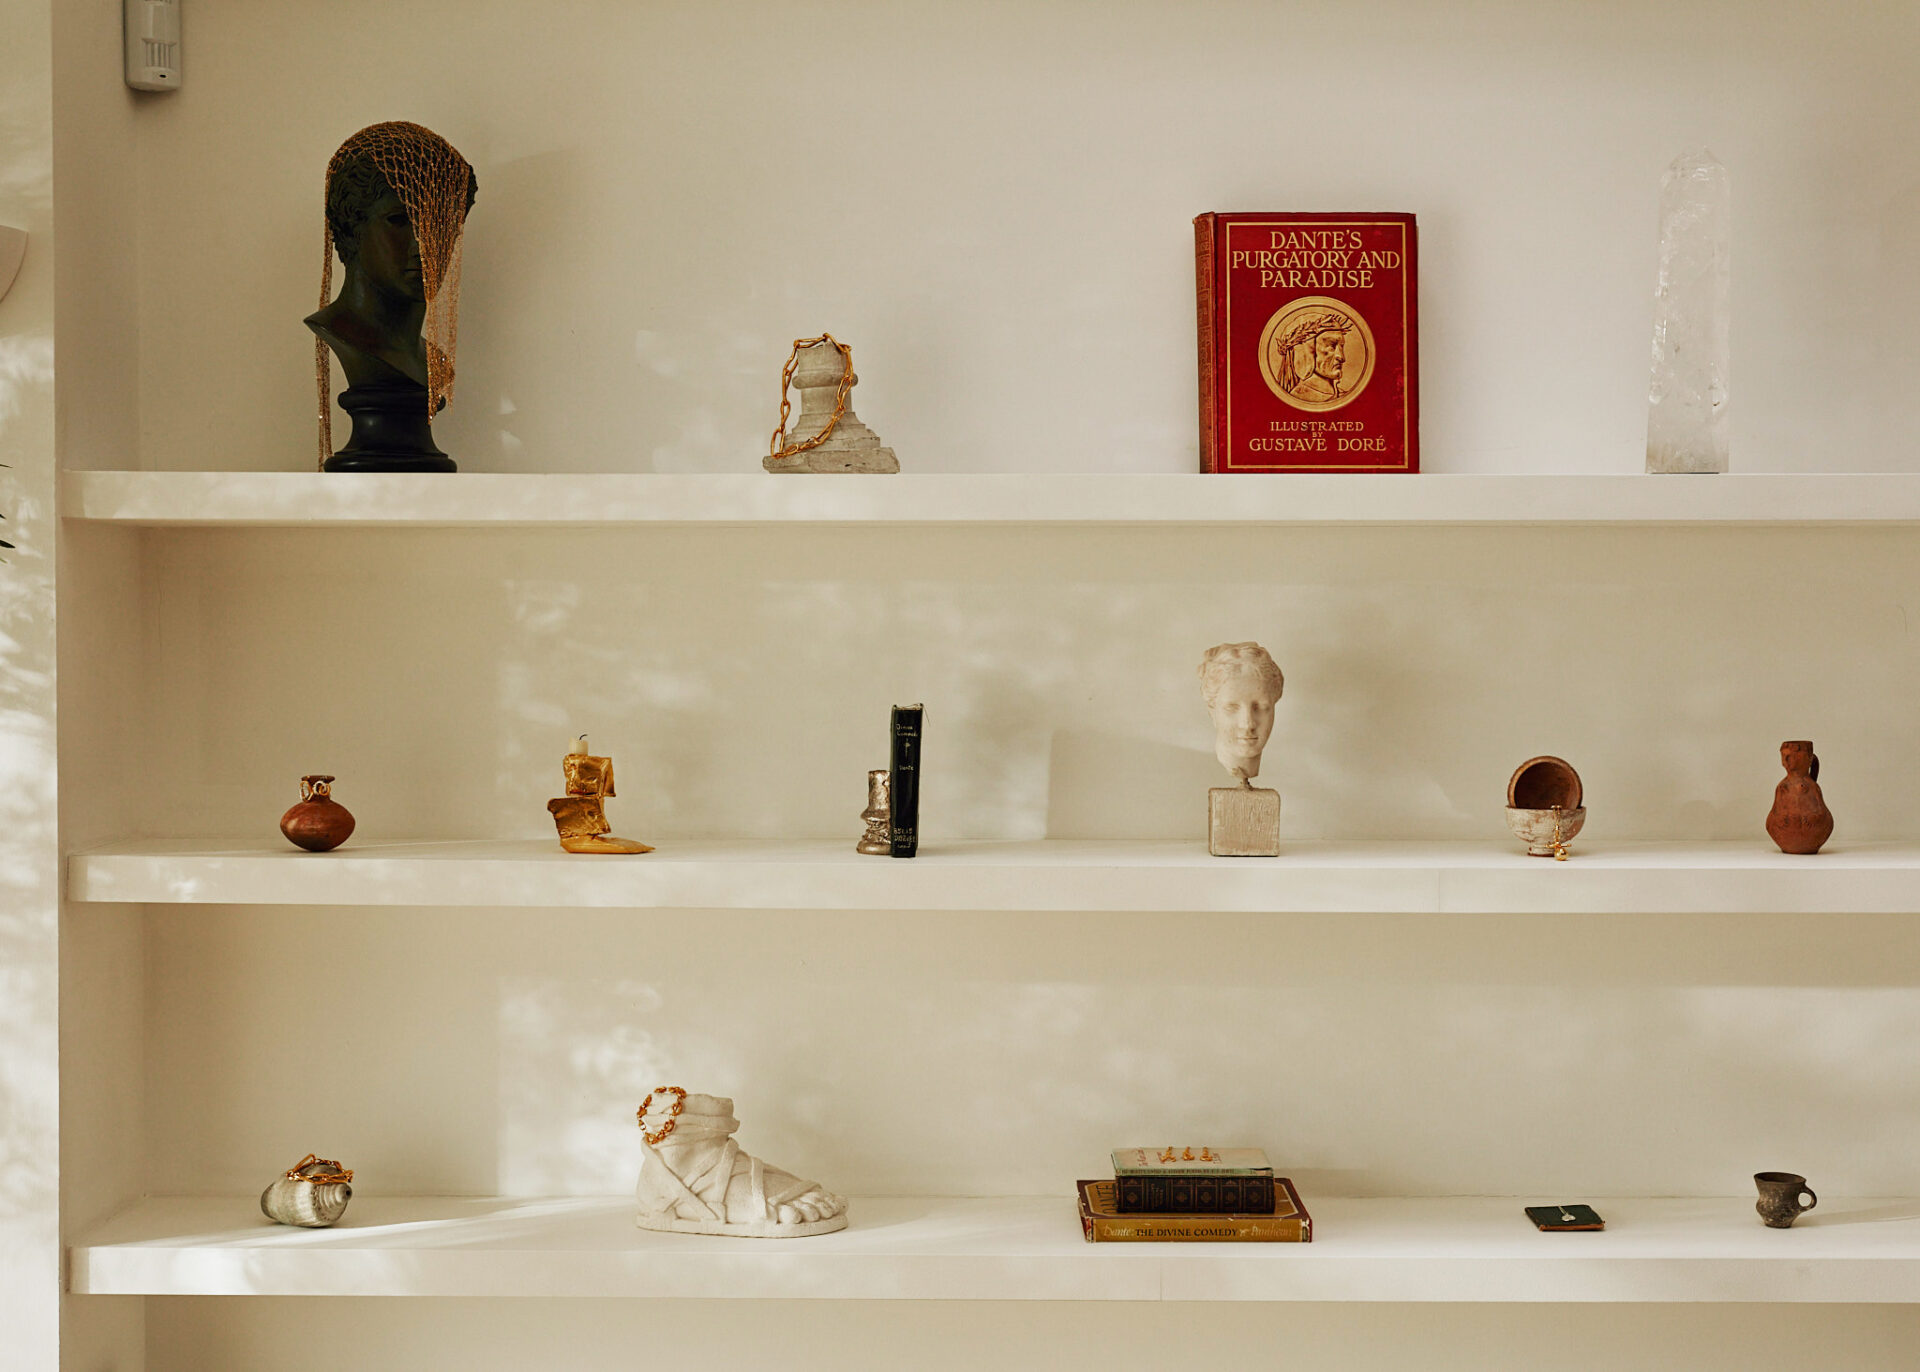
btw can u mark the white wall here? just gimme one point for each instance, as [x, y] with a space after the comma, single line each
[101, 610]
[485, 1051]
[741, 678]
[891, 1336]
[29, 843]
[991, 202]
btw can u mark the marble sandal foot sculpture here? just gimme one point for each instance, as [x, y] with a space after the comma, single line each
[694, 1179]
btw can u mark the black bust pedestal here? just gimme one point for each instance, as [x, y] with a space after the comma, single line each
[391, 432]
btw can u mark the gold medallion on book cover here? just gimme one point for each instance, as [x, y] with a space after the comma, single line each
[1317, 353]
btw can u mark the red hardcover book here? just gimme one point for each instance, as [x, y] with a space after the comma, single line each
[1308, 342]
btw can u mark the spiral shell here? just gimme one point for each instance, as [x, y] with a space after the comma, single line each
[310, 1205]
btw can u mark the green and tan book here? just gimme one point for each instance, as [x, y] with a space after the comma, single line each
[1190, 1160]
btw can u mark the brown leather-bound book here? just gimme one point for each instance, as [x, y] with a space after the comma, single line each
[1102, 1222]
[1203, 266]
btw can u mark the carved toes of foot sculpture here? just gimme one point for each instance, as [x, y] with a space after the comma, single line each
[694, 1179]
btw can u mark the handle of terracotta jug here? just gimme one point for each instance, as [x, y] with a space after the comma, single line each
[1813, 772]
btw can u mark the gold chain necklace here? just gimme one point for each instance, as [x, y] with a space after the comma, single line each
[775, 450]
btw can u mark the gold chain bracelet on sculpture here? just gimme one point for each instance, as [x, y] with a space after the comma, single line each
[654, 1137]
[775, 450]
[332, 1171]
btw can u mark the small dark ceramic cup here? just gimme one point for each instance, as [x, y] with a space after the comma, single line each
[1780, 1198]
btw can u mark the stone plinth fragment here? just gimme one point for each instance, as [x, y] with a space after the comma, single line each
[851, 446]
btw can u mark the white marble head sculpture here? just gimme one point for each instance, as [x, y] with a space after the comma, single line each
[1241, 685]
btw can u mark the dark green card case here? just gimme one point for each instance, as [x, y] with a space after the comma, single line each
[1547, 1218]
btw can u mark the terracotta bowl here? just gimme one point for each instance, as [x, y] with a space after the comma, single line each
[1535, 828]
[1540, 783]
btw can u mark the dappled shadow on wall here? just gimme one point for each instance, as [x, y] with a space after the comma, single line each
[741, 678]
[1000, 1054]
[751, 699]
[577, 1059]
[29, 864]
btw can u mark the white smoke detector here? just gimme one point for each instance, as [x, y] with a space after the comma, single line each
[153, 44]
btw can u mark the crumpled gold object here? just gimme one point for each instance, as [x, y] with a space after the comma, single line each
[580, 815]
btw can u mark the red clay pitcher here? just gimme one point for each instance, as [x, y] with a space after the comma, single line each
[1799, 821]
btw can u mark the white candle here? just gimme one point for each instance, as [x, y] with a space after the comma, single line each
[579, 748]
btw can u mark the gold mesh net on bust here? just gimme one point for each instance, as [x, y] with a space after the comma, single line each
[435, 184]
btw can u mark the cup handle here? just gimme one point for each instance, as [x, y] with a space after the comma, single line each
[1812, 1200]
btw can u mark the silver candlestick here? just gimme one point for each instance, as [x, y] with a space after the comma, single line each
[878, 840]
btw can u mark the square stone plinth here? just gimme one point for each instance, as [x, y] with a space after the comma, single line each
[1243, 822]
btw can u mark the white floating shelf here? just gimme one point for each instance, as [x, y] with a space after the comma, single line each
[528, 499]
[1451, 1249]
[1053, 874]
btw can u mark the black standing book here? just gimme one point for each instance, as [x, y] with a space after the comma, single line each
[904, 779]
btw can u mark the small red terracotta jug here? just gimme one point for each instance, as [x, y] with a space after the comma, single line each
[1799, 821]
[318, 822]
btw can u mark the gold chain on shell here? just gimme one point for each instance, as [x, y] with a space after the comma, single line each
[325, 1171]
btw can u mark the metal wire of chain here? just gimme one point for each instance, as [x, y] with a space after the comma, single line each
[324, 1171]
[774, 448]
[652, 1136]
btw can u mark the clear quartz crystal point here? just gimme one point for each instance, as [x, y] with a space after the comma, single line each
[1687, 401]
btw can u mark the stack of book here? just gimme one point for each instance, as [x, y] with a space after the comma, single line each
[1205, 1194]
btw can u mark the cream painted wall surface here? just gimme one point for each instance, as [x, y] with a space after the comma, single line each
[741, 678]
[991, 202]
[30, 1267]
[102, 611]
[892, 1336]
[994, 1053]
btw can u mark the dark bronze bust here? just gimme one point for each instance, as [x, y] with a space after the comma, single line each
[397, 197]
